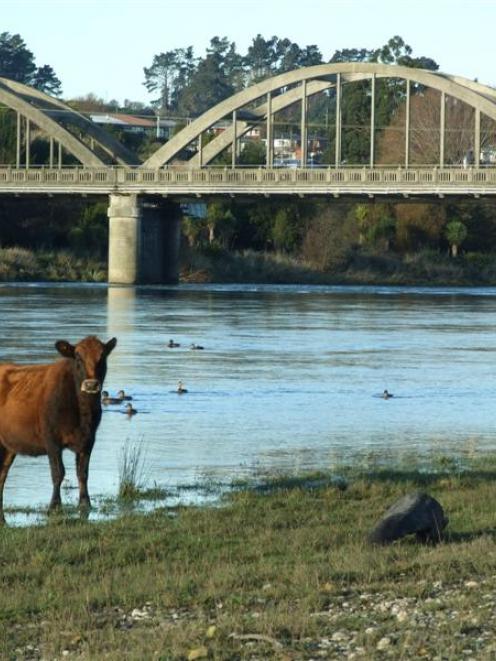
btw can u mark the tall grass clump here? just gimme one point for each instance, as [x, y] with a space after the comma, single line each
[132, 470]
[21, 264]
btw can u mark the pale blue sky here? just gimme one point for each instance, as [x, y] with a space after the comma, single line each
[101, 46]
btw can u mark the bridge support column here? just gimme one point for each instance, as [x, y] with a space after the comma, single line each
[144, 240]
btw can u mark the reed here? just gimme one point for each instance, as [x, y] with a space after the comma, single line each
[132, 470]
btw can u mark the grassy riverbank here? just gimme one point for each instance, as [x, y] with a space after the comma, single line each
[280, 571]
[423, 268]
[219, 266]
[22, 265]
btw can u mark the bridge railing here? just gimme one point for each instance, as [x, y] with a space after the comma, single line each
[245, 177]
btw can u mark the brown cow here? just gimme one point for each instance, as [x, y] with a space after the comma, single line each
[47, 408]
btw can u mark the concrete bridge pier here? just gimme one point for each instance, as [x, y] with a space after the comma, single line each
[144, 237]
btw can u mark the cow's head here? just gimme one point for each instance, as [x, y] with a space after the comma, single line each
[90, 361]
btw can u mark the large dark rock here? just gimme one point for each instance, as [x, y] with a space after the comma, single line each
[416, 513]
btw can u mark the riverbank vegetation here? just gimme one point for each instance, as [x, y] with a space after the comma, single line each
[281, 570]
[281, 242]
[322, 242]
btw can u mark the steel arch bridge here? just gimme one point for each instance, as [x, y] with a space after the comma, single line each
[105, 165]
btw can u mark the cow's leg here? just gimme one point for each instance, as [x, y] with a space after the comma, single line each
[6, 459]
[82, 465]
[58, 471]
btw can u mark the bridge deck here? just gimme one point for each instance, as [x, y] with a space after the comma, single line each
[250, 181]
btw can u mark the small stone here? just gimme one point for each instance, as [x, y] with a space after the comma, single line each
[383, 644]
[471, 584]
[339, 636]
[197, 653]
[401, 616]
[211, 631]
[369, 631]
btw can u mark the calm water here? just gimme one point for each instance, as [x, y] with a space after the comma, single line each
[289, 378]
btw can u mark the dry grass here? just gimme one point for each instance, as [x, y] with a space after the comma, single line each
[358, 267]
[19, 264]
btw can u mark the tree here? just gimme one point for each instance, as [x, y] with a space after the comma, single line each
[286, 231]
[168, 75]
[389, 95]
[7, 136]
[424, 141]
[45, 80]
[455, 233]
[234, 68]
[376, 223]
[90, 232]
[192, 229]
[331, 237]
[208, 86]
[17, 63]
[396, 51]
[253, 153]
[419, 225]
[261, 57]
[230, 62]
[16, 60]
[92, 103]
[219, 222]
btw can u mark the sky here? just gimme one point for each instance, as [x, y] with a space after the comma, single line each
[102, 46]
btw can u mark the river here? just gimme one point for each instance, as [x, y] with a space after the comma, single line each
[289, 379]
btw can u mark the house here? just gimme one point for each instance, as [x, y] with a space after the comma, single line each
[162, 127]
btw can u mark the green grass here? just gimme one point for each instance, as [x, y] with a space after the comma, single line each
[279, 571]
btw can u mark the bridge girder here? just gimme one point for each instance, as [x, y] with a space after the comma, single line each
[40, 109]
[480, 97]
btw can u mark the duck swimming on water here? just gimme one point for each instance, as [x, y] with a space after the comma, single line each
[130, 410]
[180, 389]
[107, 399]
[387, 395]
[173, 345]
[123, 397]
[196, 347]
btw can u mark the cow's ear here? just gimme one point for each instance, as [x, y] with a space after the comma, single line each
[110, 345]
[65, 348]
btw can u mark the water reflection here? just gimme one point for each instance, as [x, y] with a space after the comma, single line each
[288, 379]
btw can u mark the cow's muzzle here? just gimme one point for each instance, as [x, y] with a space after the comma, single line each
[90, 386]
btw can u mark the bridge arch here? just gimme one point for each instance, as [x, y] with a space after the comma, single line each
[309, 81]
[53, 117]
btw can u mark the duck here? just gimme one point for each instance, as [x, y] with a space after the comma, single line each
[123, 397]
[196, 347]
[180, 389]
[107, 399]
[173, 345]
[130, 410]
[387, 395]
